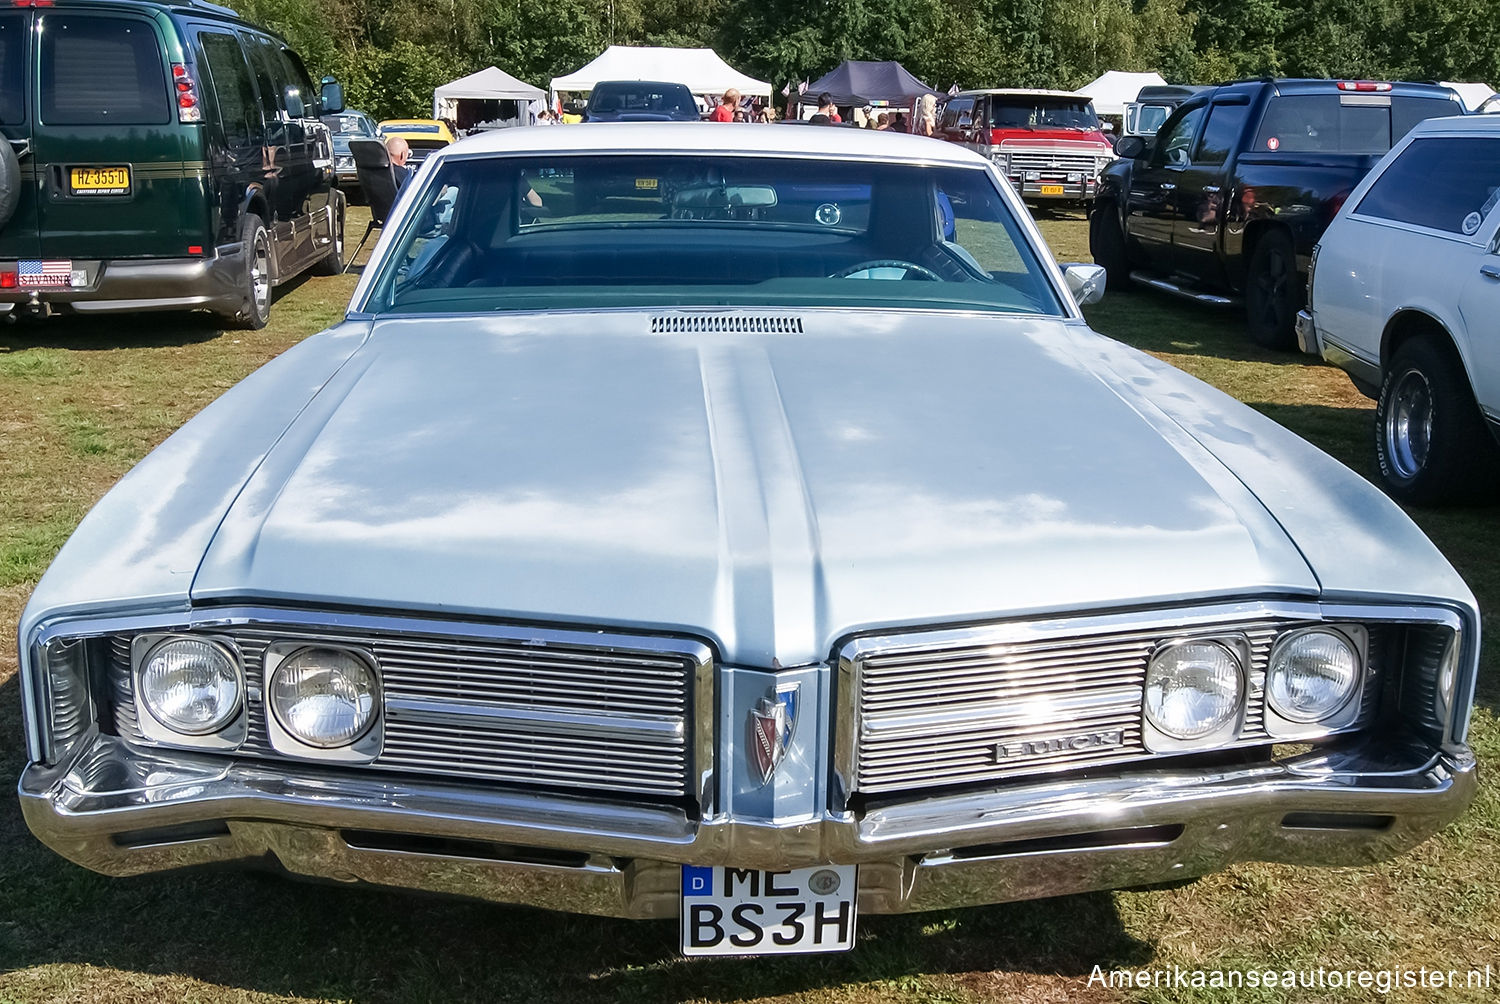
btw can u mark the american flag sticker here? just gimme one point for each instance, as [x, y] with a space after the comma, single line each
[44, 273]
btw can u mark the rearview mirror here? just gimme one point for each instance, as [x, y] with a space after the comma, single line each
[333, 96]
[1131, 147]
[726, 197]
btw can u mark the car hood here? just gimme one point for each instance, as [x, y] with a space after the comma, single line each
[773, 492]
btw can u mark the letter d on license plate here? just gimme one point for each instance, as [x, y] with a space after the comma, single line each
[741, 911]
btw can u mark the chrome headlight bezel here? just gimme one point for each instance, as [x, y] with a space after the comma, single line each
[363, 747]
[1156, 736]
[226, 733]
[1288, 724]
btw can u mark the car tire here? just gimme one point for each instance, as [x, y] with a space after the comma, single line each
[10, 181]
[333, 262]
[1431, 443]
[1107, 245]
[1273, 294]
[255, 281]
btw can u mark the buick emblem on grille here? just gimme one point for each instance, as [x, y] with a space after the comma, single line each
[1076, 743]
[772, 722]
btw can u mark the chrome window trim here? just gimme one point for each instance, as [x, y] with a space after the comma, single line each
[1174, 621]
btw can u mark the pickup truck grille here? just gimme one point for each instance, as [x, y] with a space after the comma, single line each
[507, 711]
[1049, 163]
[993, 704]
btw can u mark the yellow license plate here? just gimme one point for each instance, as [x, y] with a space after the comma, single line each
[99, 180]
[646, 184]
[1052, 189]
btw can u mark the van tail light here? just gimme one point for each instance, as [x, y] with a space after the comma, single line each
[188, 108]
[1362, 85]
[7, 280]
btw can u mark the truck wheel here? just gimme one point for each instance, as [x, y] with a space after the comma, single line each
[1107, 245]
[255, 282]
[1431, 444]
[333, 262]
[1272, 293]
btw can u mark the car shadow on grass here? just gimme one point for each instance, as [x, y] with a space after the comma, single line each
[1159, 323]
[263, 933]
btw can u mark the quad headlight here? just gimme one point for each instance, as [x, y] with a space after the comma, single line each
[191, 686]
[324, 697]
[1312, 675]
[1194, 691]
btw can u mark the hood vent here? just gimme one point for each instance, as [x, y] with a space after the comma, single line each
[768, 324]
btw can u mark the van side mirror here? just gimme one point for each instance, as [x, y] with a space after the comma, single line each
[333, 96]
[292, 99]
[1130, 147]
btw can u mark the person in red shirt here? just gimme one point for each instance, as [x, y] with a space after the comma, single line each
[827, 107]
[727, 106]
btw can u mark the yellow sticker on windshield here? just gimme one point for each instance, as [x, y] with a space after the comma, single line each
[648, 184]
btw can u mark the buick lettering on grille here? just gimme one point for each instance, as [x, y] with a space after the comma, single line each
[1059, 744]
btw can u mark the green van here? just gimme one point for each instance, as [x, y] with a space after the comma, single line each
[160, 156]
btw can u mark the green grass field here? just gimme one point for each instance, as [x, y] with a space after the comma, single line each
[80, 402]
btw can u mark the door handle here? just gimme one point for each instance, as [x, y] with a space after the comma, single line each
[1167, 186]
[1490, 271]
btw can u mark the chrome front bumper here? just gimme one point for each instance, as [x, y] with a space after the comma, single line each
[122, 811]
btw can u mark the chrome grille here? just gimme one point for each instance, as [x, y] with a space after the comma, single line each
[1009, 701]
[1048, 162]
[506, 710]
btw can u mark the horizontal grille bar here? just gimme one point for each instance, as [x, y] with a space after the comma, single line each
[1046, 162]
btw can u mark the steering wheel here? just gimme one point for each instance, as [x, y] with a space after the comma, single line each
[911, 267]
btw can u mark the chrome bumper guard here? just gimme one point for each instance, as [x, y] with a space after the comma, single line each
[121, 811]
[1307, 334]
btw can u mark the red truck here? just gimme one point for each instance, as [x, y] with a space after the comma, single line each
[1048, 143]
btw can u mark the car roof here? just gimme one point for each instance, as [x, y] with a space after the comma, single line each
[714, 137]
[1459, 124]
[1025, 92]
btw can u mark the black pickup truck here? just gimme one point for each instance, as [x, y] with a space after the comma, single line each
[1226, 203]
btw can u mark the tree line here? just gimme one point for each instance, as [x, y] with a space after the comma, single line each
[390, 54]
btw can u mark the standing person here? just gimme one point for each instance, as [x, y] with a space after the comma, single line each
[883, 123]
[827, 107]
[397, 149]
[926, 124]
[727, 106]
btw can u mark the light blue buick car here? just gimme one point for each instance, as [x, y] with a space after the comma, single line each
[737, 525]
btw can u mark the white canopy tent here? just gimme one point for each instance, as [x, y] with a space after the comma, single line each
[489, 84]
[1115, 88]
[700, 69]
[1472, 95]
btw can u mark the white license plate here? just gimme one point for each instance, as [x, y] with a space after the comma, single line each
[741, 911]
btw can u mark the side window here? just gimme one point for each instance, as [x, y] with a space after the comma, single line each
[1177, 137]
[99, 70]
[1445, 183]
[233, 91]
[955, 109]
[300, 79]
[270, 90]
[1220, 133]
[974, 221]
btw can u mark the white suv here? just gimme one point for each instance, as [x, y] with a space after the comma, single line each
[1405, 296]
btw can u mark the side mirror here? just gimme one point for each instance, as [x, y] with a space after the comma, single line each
[1107, 126]
[333, 96]
[1085, 282]
[292, 98]
[965, 120]
[1131, 147]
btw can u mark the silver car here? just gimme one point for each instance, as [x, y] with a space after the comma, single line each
[766, 543]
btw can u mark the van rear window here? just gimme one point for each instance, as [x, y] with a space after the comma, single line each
[15, 28]
[99, 70]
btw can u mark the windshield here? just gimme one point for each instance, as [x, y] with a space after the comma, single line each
[550, 232]
[1042, 113]
[640, 96]
[349, 125]
[1144, 120]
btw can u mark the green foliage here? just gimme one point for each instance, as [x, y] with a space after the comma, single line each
[391, 53]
